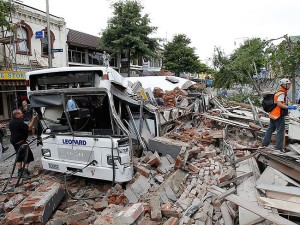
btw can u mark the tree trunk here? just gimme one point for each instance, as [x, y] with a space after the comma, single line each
[254, 85]
[128, 58]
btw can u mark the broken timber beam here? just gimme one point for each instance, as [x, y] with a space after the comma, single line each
[226, 193]
[253, 208]
[236, 179]
[244, 158]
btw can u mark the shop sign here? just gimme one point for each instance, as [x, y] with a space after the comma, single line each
[12, 75]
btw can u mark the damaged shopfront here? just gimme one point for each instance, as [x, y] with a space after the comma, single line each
[12, 92]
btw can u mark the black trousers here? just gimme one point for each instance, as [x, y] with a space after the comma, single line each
[22, 154]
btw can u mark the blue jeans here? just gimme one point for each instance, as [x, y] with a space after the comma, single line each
[279, 126]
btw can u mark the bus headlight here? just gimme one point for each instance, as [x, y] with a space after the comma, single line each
[46, 152]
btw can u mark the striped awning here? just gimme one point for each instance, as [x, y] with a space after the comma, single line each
[12, 83]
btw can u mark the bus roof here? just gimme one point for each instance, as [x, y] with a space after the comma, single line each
[113, 75]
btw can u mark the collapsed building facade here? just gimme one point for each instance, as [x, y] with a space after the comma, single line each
[203, 166]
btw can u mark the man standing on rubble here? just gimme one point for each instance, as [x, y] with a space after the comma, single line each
[277, 120]
[19, 134]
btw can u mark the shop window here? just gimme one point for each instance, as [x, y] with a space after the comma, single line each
[76, 54]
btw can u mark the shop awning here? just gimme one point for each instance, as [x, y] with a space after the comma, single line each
[12, 83]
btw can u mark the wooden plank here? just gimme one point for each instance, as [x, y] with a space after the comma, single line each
[245, 157]
[253, 208]
[226, 216]
[282, 189]
[291, 172]
[283, 196]
[209, 215]
[279, 204]
[236, 179]
[246, 190]
[230, 209]
[226, 193]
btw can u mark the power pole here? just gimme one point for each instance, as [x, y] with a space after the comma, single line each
[48, 36]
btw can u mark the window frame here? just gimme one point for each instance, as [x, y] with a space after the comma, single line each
[29, 34]
[52, 39]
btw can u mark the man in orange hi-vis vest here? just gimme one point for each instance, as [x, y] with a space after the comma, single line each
[277, 121]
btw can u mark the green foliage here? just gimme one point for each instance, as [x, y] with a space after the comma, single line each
[239, 67]
[243, 98]
[179, 57]
[5, 8]
[284, 58]
[128, 31]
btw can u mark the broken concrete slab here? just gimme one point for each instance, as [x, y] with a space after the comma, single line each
[165, 146]
[129, 215]
[37, 207]
[272, 176]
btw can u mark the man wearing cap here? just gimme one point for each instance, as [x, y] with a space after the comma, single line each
[277, 120]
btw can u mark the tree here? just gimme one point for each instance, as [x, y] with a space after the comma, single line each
[179, 57]
[239, 68]
[5, 8]
[128, 31]
[285, 60]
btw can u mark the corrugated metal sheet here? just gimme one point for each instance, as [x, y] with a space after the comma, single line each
[82, 39]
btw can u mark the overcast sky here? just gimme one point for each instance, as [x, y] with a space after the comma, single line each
[207, 23]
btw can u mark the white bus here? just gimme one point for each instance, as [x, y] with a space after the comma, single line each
[99, 138]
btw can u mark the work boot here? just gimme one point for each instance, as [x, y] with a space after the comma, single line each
[25, 175]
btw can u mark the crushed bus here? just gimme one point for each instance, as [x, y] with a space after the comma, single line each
[99, 137]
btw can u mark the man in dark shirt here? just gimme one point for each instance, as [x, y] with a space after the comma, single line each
[26, 110]
[19, 134]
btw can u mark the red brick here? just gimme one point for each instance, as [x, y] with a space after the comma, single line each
[78, 216]
[179, 163]
[193, 168]
[154, 160]
[78, 223]
[100, 205]
[172, 221]
[171, 213]
[3, 198]
[142, 170]
[146, 207]
[166, 206]
[210, 154]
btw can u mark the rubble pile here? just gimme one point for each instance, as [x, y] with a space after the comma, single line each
[203, 172]
[175, 191]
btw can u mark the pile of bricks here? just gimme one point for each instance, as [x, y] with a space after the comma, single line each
[164, 190]
[171, 97]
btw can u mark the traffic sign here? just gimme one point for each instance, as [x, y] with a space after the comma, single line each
[40, 34]
[57, 50]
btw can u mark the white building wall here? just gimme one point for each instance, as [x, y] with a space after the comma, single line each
[37, 20]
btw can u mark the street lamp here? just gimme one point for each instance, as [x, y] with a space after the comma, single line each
[48, 36]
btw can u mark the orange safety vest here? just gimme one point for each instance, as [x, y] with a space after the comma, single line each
[276, 113]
